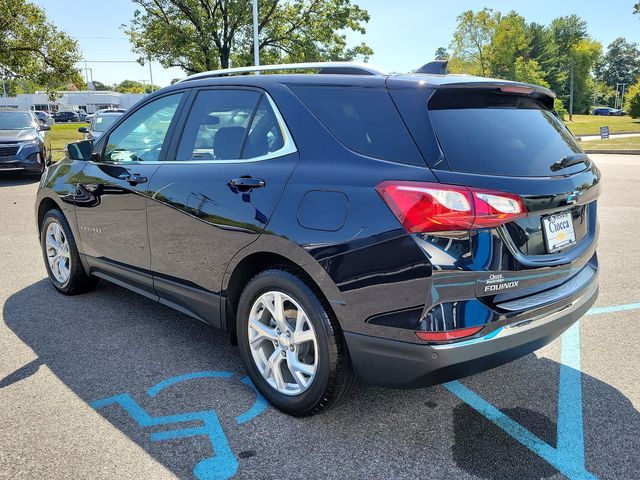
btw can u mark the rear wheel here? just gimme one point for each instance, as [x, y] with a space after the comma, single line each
[292, 347]
[61, 257]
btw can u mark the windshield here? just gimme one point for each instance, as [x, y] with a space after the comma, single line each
[101, 123]
[15, 121]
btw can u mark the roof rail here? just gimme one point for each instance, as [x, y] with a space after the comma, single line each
[340, 68]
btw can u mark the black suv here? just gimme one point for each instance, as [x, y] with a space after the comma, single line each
[24, 143]
[60, 117]
[403, 229]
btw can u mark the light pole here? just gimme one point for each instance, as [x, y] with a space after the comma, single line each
[150, 76]
[256, 46]
[4, 93]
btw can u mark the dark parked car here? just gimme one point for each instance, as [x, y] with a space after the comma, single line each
[99, 124]
[610, 112]
[61, 117]
[404, 229]
[24, 144]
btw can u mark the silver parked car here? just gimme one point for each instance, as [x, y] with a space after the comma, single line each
[99, 124]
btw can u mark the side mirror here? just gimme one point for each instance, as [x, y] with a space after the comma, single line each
[83, 130]
[44, 128]
[79, 150]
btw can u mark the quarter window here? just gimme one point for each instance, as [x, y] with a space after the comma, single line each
[141, 136]
[363, 119]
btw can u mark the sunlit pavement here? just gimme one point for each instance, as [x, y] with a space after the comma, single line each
[112, 385]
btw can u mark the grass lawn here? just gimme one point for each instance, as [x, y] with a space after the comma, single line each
[590, 124]
[61, 134]
[627, 143]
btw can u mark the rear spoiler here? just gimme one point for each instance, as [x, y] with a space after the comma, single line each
[535, 91]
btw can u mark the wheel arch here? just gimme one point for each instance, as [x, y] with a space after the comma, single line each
[292, 258]
[44, 205]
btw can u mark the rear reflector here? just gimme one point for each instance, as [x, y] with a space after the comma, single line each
[434, 207]
[449, 334]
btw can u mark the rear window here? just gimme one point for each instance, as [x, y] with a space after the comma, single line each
[497, 134]
[363, 119]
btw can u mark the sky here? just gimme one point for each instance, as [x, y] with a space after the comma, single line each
[403, 34]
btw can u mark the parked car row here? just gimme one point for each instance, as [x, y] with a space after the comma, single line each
[67, 116]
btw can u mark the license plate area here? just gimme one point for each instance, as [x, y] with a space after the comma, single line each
[558, 231]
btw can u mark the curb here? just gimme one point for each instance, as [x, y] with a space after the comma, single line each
[613, 152]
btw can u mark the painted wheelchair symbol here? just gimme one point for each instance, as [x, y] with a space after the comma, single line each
[223, 463]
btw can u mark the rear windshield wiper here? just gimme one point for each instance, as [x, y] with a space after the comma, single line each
[569, 160]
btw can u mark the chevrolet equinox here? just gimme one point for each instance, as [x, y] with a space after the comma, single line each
[342, 223]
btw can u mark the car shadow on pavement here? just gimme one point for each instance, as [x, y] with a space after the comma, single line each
[111, 342]
[15, 179]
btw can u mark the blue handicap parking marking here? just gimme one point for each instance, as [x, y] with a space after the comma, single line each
[223, 464]
[568, 456]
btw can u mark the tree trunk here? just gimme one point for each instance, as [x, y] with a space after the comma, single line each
[224, 57]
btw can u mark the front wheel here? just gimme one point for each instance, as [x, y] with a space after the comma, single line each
[292, 347]
[61, 256]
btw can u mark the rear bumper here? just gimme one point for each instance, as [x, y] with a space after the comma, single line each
[401, 364]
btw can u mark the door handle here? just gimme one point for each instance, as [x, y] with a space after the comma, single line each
[247, 183]
[133, 178]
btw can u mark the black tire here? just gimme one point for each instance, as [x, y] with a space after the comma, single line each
[78, 281]
[334, 378]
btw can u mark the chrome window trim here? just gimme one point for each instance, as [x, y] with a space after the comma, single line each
[288, 148]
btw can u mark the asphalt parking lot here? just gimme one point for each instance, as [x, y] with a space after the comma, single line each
[112, 385]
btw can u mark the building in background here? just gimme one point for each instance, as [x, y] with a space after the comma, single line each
[89, 101]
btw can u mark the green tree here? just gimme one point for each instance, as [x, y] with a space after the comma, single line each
[100, 87]
[200, 35]
[509, 44]
[33, 48]
[632, 100]
[602, 93]
[575, 52]
[472, 40]
[441, 54]
[621, 63]
[132, 86]
[529, 71]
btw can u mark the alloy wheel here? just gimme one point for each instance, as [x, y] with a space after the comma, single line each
[58, 256]
[283, 343]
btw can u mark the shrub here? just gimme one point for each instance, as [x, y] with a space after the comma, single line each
[559, 107]
[632, 100]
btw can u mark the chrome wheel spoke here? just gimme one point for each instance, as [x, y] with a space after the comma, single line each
[261, 332]
[300, 335]
[296, 367]
[274, 302]
[272, 370]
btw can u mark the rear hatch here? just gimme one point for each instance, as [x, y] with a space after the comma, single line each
[506, 137]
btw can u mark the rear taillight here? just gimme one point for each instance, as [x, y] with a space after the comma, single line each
[434, 207]
[449, 334]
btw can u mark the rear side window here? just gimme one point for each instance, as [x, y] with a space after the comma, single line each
[363, 119]
[497, 134]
